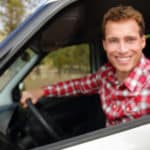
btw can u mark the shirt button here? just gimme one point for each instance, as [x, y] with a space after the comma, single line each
[128, 109]
[114, 106]
[116, 82]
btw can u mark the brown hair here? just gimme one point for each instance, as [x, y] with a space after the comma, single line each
[120, 13]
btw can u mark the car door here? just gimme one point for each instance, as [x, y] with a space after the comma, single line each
[23, 50]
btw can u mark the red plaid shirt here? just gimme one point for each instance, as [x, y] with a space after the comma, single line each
[120, 103]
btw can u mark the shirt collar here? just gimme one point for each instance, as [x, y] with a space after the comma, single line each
[137, 76]
[135, 79]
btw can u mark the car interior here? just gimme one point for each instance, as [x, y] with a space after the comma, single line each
[58, 118]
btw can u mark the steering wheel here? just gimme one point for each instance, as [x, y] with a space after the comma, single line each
[55, 134]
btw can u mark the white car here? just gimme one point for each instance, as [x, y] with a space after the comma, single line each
[61, 41]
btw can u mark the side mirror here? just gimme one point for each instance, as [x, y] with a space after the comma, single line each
[21, 86]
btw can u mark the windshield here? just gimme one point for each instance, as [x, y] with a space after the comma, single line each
[15, 67]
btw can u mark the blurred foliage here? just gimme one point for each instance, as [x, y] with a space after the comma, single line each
[12, 12]
[72, 58]
[62, 64]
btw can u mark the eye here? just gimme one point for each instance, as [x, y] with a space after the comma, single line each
[112, 40]
[130, 39]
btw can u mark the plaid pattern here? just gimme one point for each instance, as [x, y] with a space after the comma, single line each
[120, 103]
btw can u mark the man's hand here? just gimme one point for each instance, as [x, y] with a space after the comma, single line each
[34, 95]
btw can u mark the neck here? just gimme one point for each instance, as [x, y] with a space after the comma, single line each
[121, 76]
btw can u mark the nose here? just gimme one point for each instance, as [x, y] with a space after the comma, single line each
[123, 47]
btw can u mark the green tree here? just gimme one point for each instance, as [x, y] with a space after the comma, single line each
[72, 58]
[12, 12]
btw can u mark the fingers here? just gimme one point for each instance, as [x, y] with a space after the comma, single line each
[26, 95]
[34, 95]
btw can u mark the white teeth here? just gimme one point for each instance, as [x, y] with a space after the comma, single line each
[123, 59]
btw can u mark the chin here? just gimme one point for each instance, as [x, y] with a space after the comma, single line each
[124, 70]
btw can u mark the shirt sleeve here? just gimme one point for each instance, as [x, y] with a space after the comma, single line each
[85, 85]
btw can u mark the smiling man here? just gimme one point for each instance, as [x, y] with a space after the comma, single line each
[122, 83]
[124, 40]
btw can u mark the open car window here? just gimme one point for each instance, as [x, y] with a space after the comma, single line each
[62, 64]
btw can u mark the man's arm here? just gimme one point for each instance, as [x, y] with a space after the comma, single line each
[85, 85]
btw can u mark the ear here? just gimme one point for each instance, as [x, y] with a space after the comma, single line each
[104, 44]
[143, 41]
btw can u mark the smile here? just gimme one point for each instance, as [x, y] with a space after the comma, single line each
[123, 59]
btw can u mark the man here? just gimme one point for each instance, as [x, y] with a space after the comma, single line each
[123, 83]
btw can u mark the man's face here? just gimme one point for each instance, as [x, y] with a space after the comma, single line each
[123, 44]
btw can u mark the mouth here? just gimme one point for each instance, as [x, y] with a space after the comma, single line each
[123, 60]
